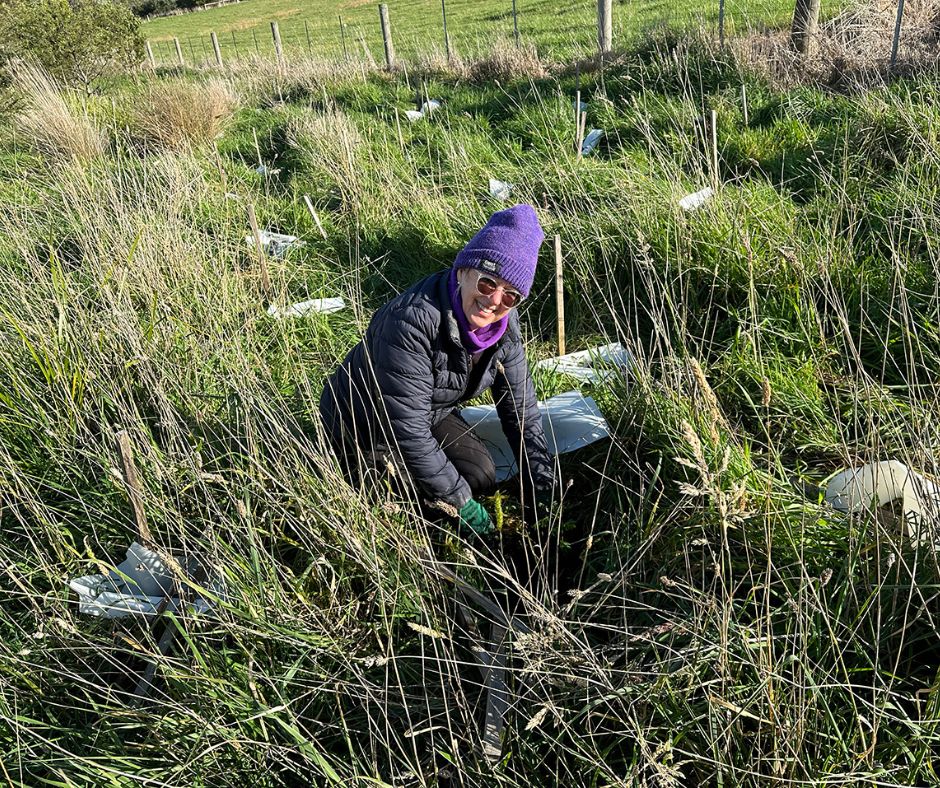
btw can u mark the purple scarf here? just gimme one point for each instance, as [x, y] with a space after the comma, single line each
[474, 340]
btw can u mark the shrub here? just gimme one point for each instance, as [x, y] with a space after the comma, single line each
[76, 42]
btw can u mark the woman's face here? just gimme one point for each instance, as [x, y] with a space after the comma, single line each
[482, 310]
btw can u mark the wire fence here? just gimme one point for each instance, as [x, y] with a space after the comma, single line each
[559, 33]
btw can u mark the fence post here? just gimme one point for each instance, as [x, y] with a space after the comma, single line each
[515, 23]
[179, 52]
[216, 48]
[150, 58]
[387, 37]
[446, 36]
[342, 32]
[604, 24]
[897, 35]
[721, 23]
[276, 35]
[805, 25]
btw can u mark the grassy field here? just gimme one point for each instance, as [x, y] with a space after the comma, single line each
[560, 30]
[697, 615]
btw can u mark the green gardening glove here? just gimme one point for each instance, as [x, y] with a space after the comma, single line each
[476, 519]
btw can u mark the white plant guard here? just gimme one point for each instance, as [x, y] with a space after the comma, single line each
[696, 200]
[591, 366]
[591, 140]
[324, 306]
[275, 244]
[501, 190]
[880, 483]
[137, 587]
[571, 421]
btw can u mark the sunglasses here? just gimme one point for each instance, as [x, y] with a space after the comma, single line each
[487, 286]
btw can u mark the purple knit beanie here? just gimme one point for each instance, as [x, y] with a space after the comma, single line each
[507, 247]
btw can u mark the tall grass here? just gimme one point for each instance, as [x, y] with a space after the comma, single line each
[695, 617]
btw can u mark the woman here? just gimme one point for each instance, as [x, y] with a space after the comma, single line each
[392, 404]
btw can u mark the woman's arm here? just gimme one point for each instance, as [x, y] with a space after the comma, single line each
[401, 361]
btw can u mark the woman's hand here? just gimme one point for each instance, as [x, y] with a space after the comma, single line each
[476, 519]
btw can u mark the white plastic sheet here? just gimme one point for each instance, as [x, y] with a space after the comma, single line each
[275, 244]
[580, 106]
[591, 366]
[696, 200]
[500, 190]
[264, 169]
[323, 306]
[880, 483]
[426, 109]
[571, 421]
[138, 587]
[591, 140]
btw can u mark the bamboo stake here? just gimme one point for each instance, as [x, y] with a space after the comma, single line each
[515, 23]
[446, 36]
[744, 104]
[559, 296]
[307, 32]
[262, 258]
[579, 142]
[714, 146]
[316, 219]
[897, 35]
[132, 485]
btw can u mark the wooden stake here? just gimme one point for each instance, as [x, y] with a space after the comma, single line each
[559, 296]
[132, 485]
[216, 48]
[276, 35]
[179, 52]
[316, 219]
[714, 146]
[387, 37]
[262, 257]
[150, 58]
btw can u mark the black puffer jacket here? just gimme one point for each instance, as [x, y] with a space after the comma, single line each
[411, 370]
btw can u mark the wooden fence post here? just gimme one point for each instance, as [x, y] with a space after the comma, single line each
[276, 35]
[216, 48]
[179, 52]
[446, 36]
[604, 25]
[895, 42]
[721, 23]
[559, 296]
[150, 58]
[805, 25]
[387, 37]
[342, 32]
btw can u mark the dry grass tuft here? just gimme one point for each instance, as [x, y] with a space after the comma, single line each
[435, 63]
[48, 121]
[175, 115]
[853, 49]
[327, 140]
[263, 81]
[506, 61]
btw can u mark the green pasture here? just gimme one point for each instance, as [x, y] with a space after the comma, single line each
[559, 29]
